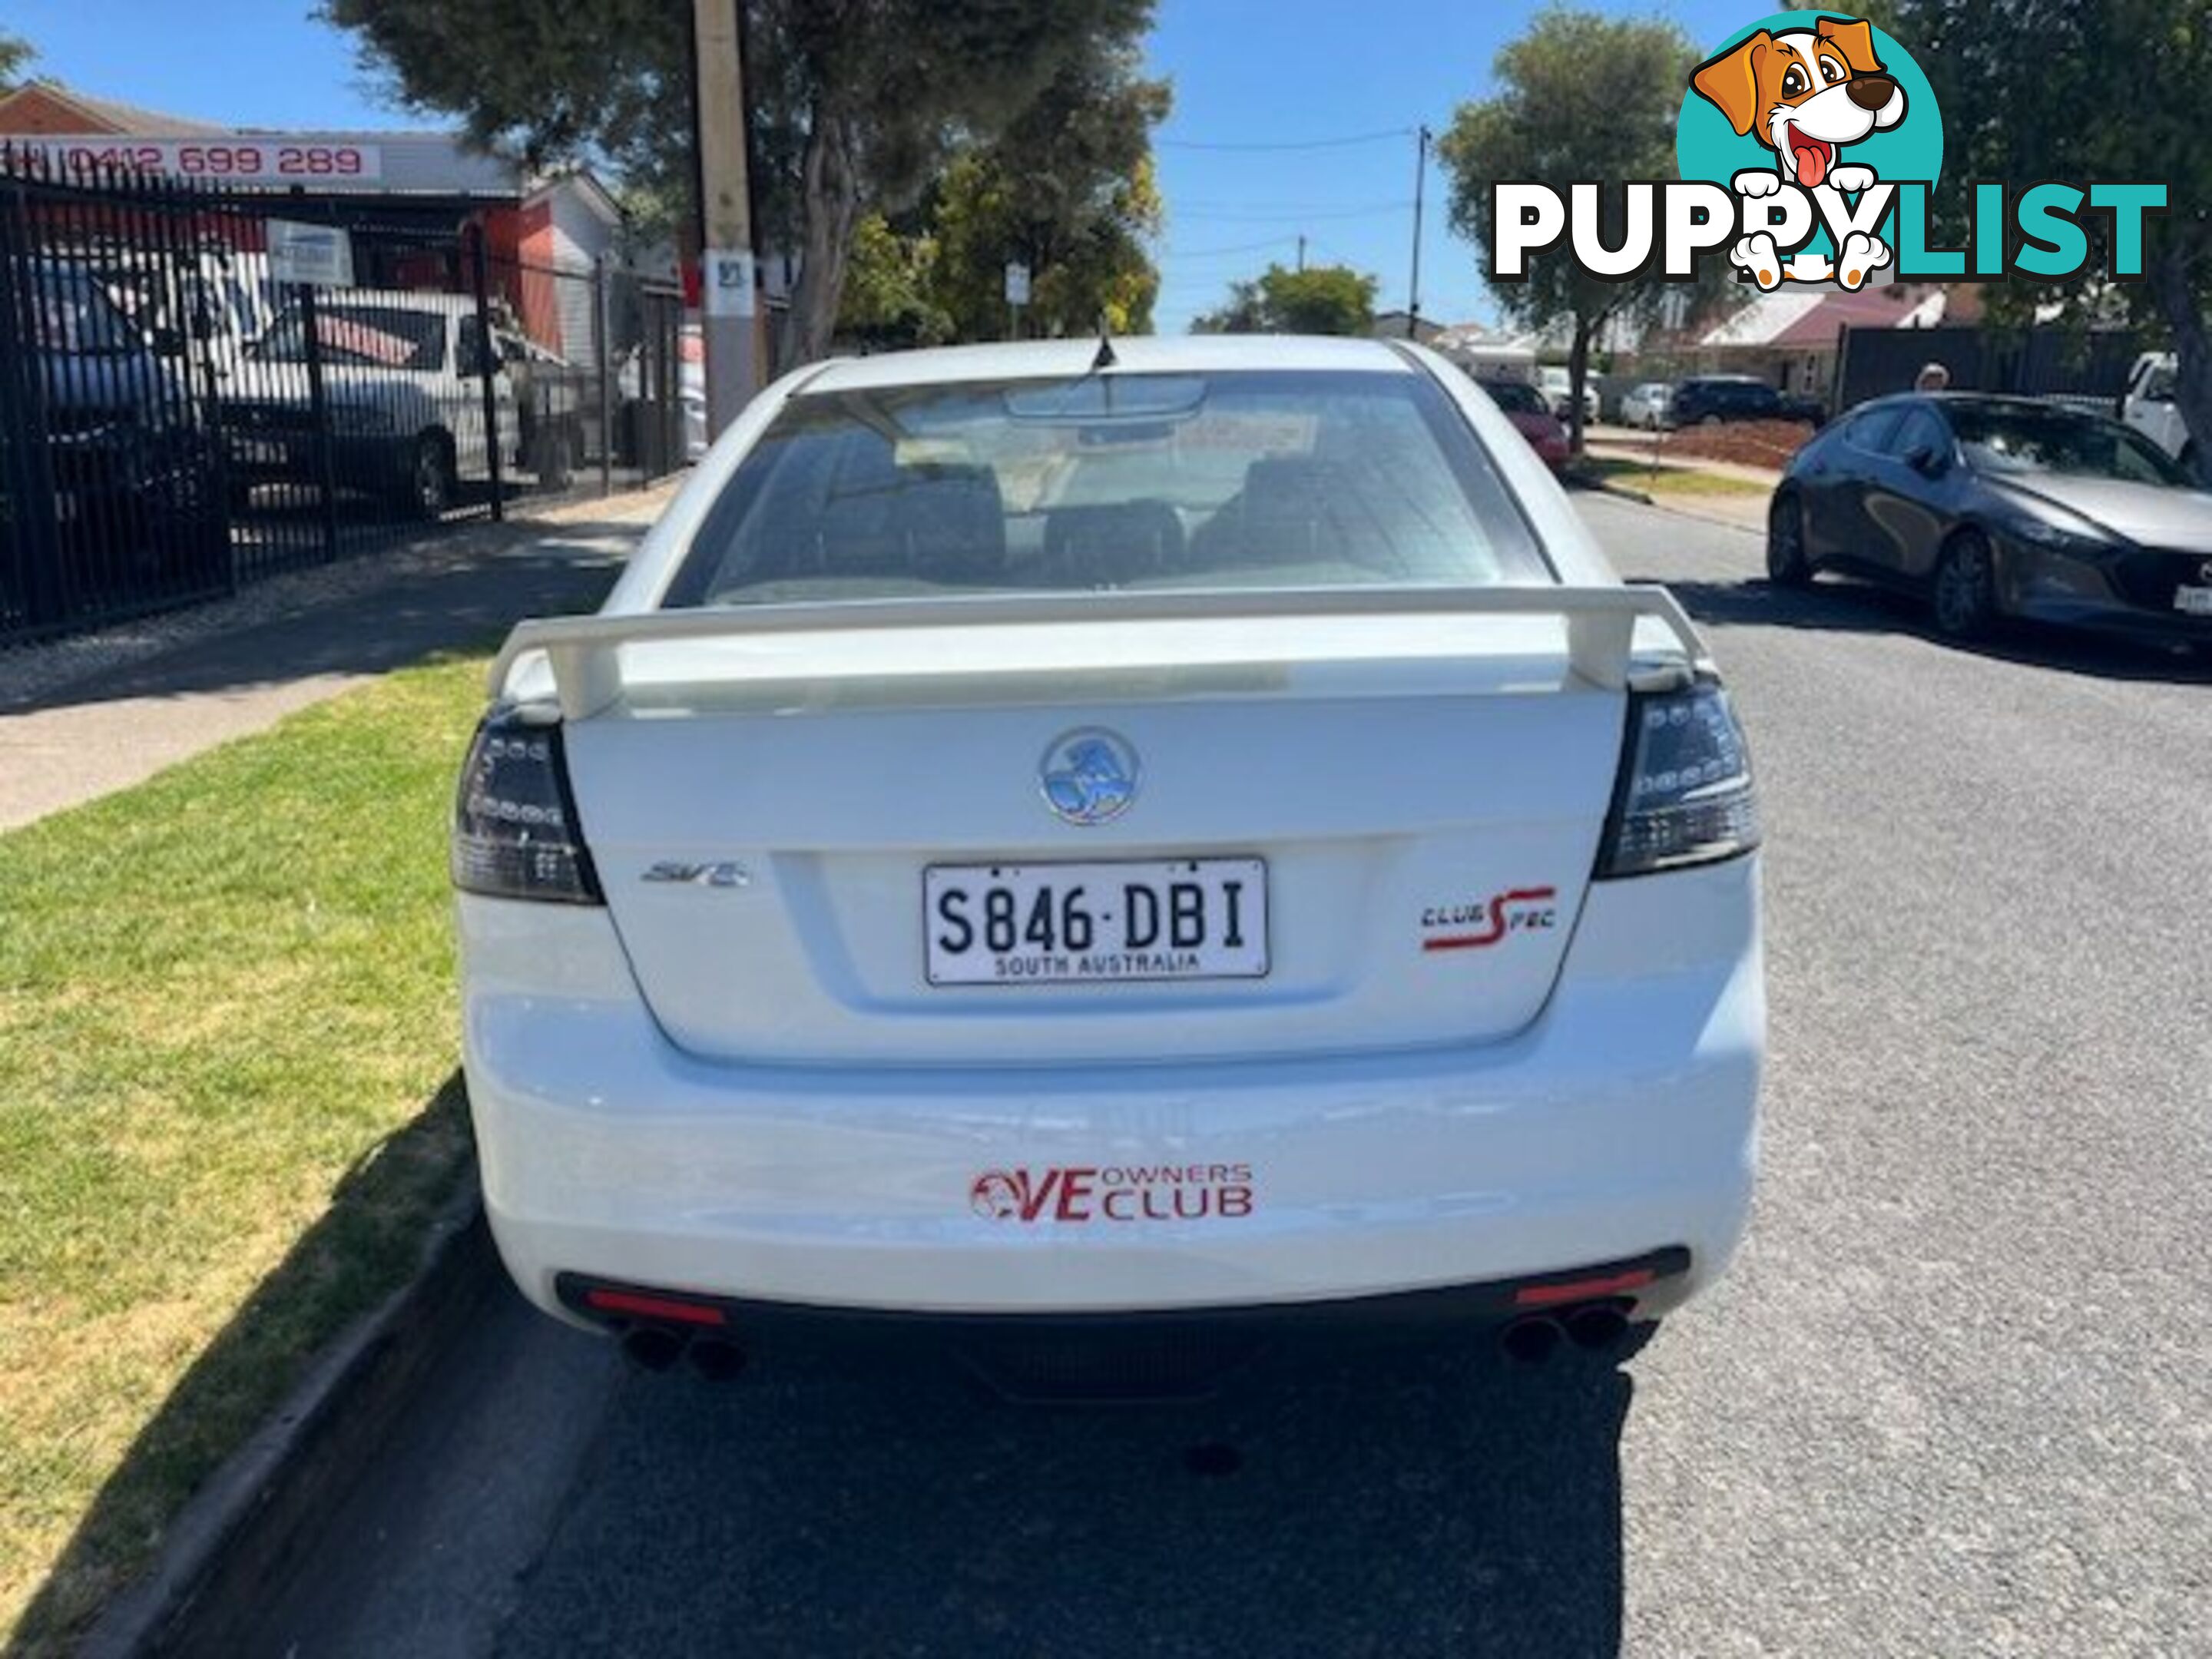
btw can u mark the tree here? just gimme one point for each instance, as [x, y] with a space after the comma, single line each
[1245, 313]
[856, 103]
[542, 84]
[1069, 190]
[2057, 112]
[15, 52]
[889, 303]
[1319, 300]
[1579, 97]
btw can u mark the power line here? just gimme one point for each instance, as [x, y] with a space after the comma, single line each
[1391, 208]
[1222, 252]
[1293, 143]
[1272, 204]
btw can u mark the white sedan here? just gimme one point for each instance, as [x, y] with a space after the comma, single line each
[1191, 828]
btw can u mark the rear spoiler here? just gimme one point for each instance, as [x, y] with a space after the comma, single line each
[585, 652]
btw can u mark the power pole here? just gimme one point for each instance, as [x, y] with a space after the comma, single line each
[729, 289]
[1420, 178]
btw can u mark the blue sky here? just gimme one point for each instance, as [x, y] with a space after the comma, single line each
[1246, 72]
[1264, 71]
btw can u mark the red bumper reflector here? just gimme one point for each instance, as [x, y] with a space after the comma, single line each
[652, 1307]
[1582, 1289]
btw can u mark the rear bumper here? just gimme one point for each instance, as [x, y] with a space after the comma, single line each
[2117, 619]
[1623, 1121]
[2057, 591]
[617, 1307]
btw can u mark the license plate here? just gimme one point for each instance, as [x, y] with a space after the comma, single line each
[1085, 924]
[259, 452]
[2196, 601]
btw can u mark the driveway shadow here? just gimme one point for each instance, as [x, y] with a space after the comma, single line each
[471, 602]
[1425, 1498]
[1832, 605]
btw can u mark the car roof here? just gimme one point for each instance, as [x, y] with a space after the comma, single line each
[2002, 400]
[1148, 354]
[1978, 400]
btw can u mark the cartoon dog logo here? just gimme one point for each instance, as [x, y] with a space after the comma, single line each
[1805, 93]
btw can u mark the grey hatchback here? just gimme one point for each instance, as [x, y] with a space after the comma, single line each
[2001, 507]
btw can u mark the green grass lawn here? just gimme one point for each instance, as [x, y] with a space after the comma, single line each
[227, 1043]
[1664, 481]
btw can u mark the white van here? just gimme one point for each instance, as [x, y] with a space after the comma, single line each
[2147, 406]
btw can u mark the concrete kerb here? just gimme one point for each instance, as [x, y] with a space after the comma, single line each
[238, 1534]
[1608, 487]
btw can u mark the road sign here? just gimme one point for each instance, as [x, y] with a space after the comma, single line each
[729, 282]
[320, 255]
[1018, 285]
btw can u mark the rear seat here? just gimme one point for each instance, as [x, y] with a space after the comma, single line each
[1288, 512]
[1108, 546]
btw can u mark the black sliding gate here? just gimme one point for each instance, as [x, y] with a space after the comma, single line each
[175, 424]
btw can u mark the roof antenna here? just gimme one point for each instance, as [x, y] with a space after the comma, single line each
[1105, 359]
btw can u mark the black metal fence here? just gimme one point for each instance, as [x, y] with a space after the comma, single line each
[175, 424]
[2090, 368]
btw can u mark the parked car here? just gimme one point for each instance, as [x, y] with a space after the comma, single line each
[134, 475]
[1711, 399]
[1532, 417]
[1033, 834]
[1996, 507]
[1646, 406]
[403, 373]
[204, 309]
[2149, 406]
[1558, 387]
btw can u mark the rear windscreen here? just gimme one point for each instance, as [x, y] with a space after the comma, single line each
[1111, 483]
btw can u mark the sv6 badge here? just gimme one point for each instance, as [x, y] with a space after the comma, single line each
[677, 872]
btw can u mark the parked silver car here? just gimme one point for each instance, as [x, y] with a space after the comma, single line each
[1646, 406]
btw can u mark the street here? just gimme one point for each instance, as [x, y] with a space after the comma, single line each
[1955, 1397]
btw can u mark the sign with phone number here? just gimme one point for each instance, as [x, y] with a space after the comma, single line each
[241, 161]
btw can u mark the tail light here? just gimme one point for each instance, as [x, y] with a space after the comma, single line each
[515, 834]
[1685, 794]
